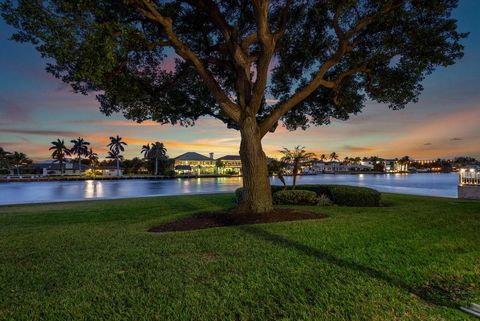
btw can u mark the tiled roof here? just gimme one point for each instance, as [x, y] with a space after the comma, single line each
[192, 156]
[230, 157]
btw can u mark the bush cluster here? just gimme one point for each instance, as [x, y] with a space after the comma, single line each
[323, 200]
[295, 197]
[338, 194]
[354, 196]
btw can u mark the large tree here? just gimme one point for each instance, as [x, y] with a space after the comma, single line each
[249, 63]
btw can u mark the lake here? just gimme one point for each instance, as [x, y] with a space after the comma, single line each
[444, 185]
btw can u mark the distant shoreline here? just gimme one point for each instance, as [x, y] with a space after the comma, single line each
[100, 178]
[160, 177]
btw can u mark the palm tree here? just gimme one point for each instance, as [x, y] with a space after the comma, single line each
[18, 160]
[323, 157]
[92, 156]
[277, 167]
[333, 156]
[80, 148]
[296, 157]
[112, 154]
[145, 150]
[4, 159]
[157, 152]
[116, 147]
[60, 151]
[93, 159]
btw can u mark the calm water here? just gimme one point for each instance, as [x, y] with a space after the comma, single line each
[15, 193]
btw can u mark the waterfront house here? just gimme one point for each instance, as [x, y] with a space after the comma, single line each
[194, 163]
[389, 165]
[231, 164]
[368, 162]
[334, 167]
[46, 168]
[395, 166]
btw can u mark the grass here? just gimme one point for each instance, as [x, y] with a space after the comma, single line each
[415, 259]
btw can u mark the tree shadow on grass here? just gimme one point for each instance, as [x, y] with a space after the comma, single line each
[439, 295]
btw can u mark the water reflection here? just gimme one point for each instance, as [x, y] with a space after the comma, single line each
[93, 189]
[14, 193]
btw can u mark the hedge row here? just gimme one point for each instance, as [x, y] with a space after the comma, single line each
[339, 194]
[295, 197]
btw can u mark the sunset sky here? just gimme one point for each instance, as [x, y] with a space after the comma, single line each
[36, 108]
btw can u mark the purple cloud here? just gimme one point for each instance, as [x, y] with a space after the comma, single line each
[39, 132]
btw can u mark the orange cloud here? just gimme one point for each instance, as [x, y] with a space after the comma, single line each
[439, 130]
[357, 149]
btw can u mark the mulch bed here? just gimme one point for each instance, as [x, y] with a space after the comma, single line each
[230, 218]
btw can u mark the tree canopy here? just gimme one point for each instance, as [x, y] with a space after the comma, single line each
[310, 60]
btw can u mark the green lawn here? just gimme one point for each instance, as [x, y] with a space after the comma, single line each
[416, 259]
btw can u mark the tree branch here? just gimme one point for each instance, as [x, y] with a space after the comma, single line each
[150, 11]
[343, 48]
[247, 41]
[240, 57]
[282, 26]
[366, 21]
[336, 26]
[267, 41]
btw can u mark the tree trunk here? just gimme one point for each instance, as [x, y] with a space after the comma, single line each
[156, 166]
[79, 165]
[257, 195]
[118, 167]
[282, 179]
[295, 173]
[61, 168]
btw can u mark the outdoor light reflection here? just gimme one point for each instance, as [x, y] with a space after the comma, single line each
[93, 189]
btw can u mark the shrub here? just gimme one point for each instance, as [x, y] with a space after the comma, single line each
[295, 197]
[169, 173]
[319, 189]
[338, 194]
[354, 196]
[323, 200]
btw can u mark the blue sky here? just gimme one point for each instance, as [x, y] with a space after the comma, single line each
[36, 108]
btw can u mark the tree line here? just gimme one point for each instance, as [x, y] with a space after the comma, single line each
[82, 153]
[155, 159]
